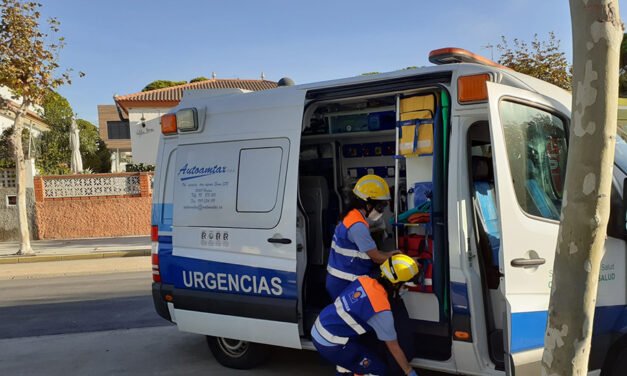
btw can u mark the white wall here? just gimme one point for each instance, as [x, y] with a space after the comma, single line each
[7, 94]
[118, 158]
[145, 140]
[7, 119]
[5, 122]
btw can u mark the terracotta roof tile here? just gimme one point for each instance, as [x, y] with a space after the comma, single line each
[175, 93]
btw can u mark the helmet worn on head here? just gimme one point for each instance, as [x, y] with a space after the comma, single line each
[399, 268]
[372, 187]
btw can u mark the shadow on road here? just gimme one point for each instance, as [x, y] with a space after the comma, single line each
[79, 317]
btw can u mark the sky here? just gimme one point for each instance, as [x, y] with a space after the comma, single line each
[122, 45]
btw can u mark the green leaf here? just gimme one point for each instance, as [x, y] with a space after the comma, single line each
[542, 59]
[160, 84]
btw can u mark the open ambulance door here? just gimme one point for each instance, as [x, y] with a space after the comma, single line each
[529, 146]
[234, 266]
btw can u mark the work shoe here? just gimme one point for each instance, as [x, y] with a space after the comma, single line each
[341, 371]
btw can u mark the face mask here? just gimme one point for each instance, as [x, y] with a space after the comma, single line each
[374, 216]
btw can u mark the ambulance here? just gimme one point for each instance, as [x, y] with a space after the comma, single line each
[250, 185]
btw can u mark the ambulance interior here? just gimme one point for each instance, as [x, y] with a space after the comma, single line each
[347, 138]
[487, 234]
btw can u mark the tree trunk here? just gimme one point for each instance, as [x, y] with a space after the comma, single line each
[597, 35]
[20, 178]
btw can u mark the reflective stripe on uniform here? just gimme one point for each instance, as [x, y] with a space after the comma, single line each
[349, 252]
[328, 336]
[348, 319]
[340, 274]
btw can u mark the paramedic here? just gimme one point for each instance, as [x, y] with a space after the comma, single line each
[353, 251]
[361, 308]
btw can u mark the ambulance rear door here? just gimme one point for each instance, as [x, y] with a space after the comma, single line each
[529, 148]
[234, 233]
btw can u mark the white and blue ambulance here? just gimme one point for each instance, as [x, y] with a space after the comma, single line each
[249, 186]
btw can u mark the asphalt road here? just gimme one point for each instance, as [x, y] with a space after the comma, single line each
[105, 324]
[76, 305]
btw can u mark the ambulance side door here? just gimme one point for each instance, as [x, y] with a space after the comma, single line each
[529, 146]
[234, 233]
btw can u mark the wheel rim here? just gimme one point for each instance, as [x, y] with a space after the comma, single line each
[232, 347]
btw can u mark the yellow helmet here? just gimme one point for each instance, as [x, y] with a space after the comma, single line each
[372, 187]
[399, 268]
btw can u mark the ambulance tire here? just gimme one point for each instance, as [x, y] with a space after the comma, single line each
[237, 354]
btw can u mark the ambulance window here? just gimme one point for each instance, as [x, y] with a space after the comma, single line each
[168, 190]
[258, 179]
[537, 150]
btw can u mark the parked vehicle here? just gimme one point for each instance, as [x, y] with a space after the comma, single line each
[249, 186]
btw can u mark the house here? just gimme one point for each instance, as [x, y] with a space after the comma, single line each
[144, 111]
[9, 228]
[33, 121]
[115, 132]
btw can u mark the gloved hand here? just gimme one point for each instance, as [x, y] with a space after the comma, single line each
[412, 373]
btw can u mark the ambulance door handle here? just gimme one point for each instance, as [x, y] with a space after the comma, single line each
[525, 263]
[280, 240]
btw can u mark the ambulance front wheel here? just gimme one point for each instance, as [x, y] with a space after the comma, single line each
[237, 354]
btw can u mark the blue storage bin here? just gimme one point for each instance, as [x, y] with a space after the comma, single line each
[379, 121]
[349, 123]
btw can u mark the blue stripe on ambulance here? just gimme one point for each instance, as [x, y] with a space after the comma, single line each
[165, 256]
[528, 328]
[204, 275]
[459, 298]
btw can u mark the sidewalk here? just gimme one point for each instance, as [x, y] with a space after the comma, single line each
[77, 249]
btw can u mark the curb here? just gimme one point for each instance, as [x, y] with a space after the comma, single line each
[80, 256]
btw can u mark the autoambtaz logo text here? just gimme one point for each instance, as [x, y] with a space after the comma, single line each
[193, 172]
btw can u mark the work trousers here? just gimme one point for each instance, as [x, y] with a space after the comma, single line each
[354, 356]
